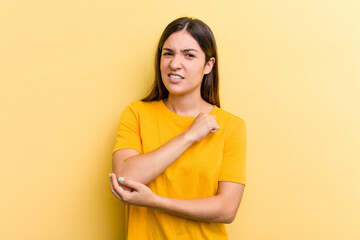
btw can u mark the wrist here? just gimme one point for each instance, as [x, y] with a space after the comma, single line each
[156, 202]
[188, 137]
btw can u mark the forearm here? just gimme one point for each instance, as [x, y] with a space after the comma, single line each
[146, 167]
[219, 208]
[210, 209]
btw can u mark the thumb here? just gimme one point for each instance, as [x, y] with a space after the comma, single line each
[129, 183]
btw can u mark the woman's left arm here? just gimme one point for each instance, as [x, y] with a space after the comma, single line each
[219, 208]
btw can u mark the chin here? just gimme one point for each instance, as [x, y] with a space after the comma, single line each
[176, 92]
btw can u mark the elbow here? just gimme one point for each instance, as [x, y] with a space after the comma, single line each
[120, 173]
[229, 207]
[229, 218]
[123, 165]
[120, 162]
[228, 214]
[223, 217]
[122, 169]
[119, 167]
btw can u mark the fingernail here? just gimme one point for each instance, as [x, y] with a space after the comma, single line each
[110, 174]
[121, 179]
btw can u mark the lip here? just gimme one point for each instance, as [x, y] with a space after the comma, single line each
[175, 80]
[175, 75]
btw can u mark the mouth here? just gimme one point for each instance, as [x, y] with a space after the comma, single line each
[175, 76]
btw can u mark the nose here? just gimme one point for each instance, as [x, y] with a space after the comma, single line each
[175, 62]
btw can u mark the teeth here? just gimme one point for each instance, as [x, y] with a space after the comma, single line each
[175, 76]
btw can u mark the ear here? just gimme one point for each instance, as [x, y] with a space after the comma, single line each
[209, 65]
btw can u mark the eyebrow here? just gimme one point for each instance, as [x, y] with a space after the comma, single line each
[184, 50]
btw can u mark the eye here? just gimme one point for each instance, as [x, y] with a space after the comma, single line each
[167, 54]
[190, 55]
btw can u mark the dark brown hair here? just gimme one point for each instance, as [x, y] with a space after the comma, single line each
[204, 36]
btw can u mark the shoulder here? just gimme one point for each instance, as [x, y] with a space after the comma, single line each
[228, 119]
[138, 110]
[141, 106]
[234, 129]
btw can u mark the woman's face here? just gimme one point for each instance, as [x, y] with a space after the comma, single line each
[183, 65]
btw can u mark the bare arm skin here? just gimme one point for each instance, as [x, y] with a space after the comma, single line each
[146, 167]
[219, 208]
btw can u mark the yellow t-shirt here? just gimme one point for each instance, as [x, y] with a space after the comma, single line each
[145, 126]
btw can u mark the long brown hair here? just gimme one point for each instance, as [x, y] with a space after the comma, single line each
[204, 36]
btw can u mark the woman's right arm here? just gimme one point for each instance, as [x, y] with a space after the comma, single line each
[146, 167]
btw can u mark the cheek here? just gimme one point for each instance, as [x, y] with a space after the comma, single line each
[161, 70]
[197, 69]
[163, 65]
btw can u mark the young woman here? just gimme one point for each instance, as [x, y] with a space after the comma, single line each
[179, 159]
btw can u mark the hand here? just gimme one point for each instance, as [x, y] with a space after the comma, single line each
[203, 125]
[132, 192]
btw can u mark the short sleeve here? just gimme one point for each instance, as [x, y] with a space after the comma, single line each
[128, 134]
[233, 167]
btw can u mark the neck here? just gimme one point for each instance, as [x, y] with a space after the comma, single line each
[189, 106]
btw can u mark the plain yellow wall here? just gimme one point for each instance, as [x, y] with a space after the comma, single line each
[291, 69]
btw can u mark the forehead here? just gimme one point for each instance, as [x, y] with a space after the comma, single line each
[181, 40]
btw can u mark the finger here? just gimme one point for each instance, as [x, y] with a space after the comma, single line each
[118, 189]
[214, 130]
[115, 193]
[110, 176]
[125, 188]
[129, 183]
[112, 188]
[113, 179]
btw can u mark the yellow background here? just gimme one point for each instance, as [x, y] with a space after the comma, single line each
[291, 69]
